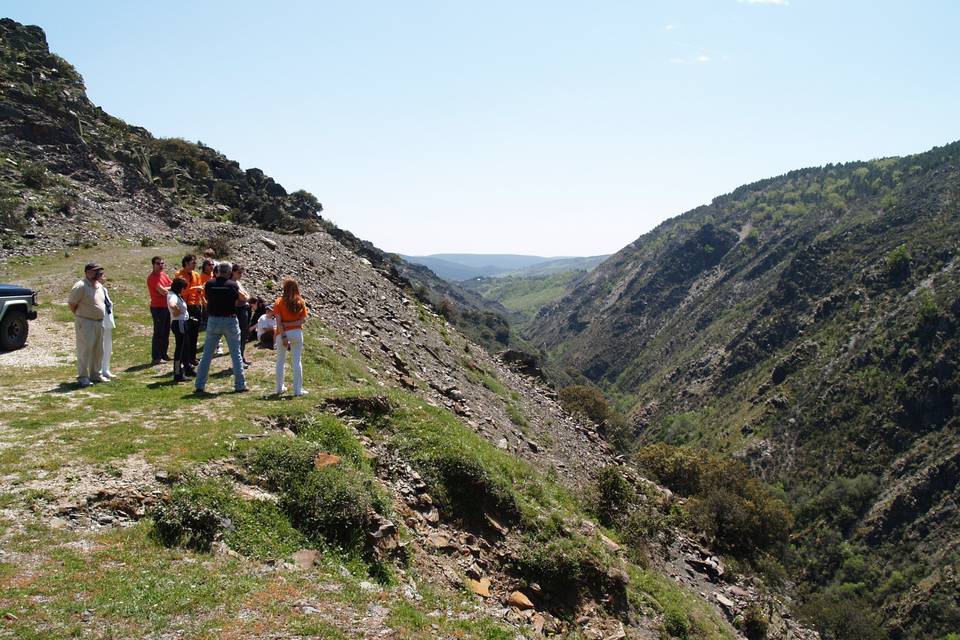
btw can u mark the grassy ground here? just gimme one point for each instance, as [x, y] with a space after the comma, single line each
[60, 580]
[121, 582]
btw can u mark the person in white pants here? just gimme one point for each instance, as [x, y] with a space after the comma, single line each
[291, 313]
[109, 324]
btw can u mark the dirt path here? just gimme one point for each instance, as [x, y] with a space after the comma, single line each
[49, 344]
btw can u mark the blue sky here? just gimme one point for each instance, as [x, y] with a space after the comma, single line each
[549, 128]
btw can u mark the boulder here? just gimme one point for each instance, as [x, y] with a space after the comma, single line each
[480, 587]
[520, 601]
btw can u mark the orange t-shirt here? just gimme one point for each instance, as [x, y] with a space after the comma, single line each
[191, 296]
[286, 316]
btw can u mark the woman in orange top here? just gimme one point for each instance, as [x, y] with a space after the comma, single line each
[291, 313]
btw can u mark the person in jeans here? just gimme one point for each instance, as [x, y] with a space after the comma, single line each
[222, 296]
[290, 312]
[158, 285]
[179, 322]
[109, 324]
[192, 295]
[86, 302]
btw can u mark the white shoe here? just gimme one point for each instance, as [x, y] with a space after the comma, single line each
[219, 350]
[303, 392]
[106, 375]
[84, 382]
[281, 390]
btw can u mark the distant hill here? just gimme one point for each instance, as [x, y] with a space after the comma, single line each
[559, 266]
[524, 295]
[463, 266]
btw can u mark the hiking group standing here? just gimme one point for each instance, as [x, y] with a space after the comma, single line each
[213, 300]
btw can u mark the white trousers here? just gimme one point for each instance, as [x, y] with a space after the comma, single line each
[295, 336]
[107, 349]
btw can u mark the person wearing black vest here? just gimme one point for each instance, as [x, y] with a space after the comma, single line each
[222, 295]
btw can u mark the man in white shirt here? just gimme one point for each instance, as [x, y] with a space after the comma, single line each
[88, 305]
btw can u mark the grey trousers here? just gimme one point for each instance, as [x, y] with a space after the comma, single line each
[89, 347]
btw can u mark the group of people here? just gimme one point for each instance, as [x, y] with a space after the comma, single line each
[213, 300]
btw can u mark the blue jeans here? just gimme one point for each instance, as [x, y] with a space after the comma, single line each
[229, 328]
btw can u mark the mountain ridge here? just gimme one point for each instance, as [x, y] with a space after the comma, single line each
[464, 266]
[807, 323]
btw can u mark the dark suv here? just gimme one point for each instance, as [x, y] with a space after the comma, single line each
[17, 306]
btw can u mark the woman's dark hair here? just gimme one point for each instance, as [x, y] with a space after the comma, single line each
[187, 258]
[179, 284]
[237, 267]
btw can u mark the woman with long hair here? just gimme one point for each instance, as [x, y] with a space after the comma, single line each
[291, 313]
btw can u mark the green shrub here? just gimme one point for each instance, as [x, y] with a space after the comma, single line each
[587, 401]
[676, 623]
[220, 245]
[333, 504]
[283, 461]
[461, 484]
[737, 511]
[842, 501]
[332, 436]
[147, 241]
[615, 498]
[754, 623]
[840, 617]
[898, 263]
[11, 215]
[225, 193]
[516, 415]
[34, 175]
[568, 568]
[192, 516]
[678, 468]
[199, 511]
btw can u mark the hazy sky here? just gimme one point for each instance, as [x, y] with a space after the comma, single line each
[550, 128]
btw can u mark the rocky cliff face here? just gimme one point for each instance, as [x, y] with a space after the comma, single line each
[72, 175]
[807, 323]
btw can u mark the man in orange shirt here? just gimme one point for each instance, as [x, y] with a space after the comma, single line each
[192, 295]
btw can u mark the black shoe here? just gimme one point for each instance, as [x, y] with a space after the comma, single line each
[179, 378]
[190, 373]
[166, 358]
[155, 362]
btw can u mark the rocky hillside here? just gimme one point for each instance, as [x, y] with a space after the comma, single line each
[74, 157]
[424, 488]
[807, 323]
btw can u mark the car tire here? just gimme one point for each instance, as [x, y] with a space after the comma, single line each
[13, 330]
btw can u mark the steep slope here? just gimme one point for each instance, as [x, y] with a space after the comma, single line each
[420, 466]
[809, 323]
